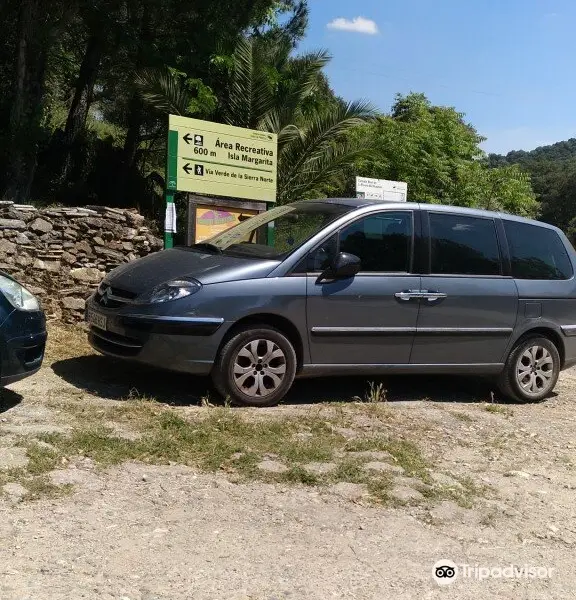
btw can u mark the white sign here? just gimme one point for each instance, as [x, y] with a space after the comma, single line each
[170, 217]
[381, 189]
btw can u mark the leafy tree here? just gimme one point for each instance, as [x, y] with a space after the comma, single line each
[85, 87]
[438, 154]
[68, 79]
[506, 189]
[268, 89]
[39, 24]
[553, 173]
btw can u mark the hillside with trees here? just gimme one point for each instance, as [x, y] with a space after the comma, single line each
[553, 173]
[86, 87]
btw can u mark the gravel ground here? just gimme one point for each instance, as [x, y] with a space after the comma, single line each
[143, 532]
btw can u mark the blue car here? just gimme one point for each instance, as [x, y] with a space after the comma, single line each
[22, 331]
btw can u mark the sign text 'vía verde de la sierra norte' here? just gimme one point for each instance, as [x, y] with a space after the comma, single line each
[211, 158]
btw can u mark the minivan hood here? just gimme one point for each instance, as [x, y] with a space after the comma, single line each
[145, 273]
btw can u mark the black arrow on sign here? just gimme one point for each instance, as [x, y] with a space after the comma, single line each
[187, 168]
[187, 138]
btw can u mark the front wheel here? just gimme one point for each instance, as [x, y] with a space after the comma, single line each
[256, 367]
[531, 371]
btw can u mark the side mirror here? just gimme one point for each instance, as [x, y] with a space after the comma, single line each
[343, 266]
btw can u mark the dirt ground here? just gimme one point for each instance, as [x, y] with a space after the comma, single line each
[143, 531]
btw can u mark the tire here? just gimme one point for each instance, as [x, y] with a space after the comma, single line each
[256, 367]
[522, 380]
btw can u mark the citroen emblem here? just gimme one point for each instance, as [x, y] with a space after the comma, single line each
[104, 299]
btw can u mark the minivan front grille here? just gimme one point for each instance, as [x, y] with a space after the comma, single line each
[113, 297]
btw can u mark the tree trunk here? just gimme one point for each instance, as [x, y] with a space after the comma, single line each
[38, 65]
[16, 168]
[38, 28]
[136, 107]
[83, 96]
[132, 141]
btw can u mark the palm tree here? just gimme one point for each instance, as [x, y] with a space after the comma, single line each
[268, 89]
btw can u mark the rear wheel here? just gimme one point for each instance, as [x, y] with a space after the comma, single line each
[256, 367]
[531, 371]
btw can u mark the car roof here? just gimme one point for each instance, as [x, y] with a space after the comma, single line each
[478, 212]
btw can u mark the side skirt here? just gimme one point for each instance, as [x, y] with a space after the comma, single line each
[444, 369]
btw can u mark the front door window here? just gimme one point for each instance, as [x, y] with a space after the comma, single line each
[382, 242]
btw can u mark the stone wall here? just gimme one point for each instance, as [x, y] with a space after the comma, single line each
[61, 254]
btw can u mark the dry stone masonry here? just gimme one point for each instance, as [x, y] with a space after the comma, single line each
[61, 254]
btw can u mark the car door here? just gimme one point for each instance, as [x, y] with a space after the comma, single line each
[469, 300]
[368, 318]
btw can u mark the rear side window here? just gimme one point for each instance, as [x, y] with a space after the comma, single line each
[536, 252]
[462, 245]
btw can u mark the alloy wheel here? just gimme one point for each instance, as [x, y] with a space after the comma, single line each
[535, 370]
[259, 368]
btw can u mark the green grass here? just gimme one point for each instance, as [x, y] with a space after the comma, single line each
[464, 494]
[405, 453]
[41, 459]
[462, 416]
[207, 443]
[499, 409]
[218, 439]
[222, 439]
[37, 484]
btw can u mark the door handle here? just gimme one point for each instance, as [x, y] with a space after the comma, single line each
[432, 296]
[408, 295]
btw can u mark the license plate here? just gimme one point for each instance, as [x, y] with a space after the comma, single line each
[96, 319]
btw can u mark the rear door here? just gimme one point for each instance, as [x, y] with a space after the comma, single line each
[469, 300]
[369, 318]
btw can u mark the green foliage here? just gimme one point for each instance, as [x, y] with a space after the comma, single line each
[168, 90]
[73, 125]
[438, 154]
[274, 91]
[314, 157]
[85, 88]
[271, 90]
[553, 173]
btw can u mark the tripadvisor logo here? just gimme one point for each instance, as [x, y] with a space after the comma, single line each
[446, 572]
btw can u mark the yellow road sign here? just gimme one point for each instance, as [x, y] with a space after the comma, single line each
[211, 158]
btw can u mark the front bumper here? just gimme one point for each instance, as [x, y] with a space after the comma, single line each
[188, 344]
[22, 345]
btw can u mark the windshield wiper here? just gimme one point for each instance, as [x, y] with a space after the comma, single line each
[208, 246]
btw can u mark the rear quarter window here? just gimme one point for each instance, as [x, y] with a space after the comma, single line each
[463, 245]
[537, 252]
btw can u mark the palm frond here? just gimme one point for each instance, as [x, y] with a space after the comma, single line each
[164, 90]
[250, 95]
[325, 170]
[325, 130]
[288, 134]
[299, 80]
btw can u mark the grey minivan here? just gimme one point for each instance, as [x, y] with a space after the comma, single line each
[350, 286]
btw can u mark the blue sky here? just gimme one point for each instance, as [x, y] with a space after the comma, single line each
[507, 64]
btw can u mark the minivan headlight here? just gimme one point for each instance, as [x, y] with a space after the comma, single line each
[172, 290]
[18, 295]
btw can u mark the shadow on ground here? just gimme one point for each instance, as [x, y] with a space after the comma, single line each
[9, 399]
[107, 378]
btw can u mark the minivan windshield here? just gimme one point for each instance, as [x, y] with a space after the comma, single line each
[275, 233]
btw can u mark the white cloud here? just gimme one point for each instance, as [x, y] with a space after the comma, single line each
[358, 25]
